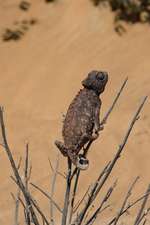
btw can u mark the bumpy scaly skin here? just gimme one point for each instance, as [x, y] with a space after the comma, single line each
[82, 123]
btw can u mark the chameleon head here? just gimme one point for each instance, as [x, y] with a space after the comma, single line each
[96, 80]
[82, 162]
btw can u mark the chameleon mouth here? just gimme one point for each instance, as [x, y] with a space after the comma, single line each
[82, 163]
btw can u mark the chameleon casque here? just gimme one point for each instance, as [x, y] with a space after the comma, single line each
[82, 123]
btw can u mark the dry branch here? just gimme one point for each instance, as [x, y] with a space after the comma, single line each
[90, 196]
[39, 211]
[47, 195]
[16, 199]
[15, 170]
[145, 213]
[53, 189]
[74, 195]
[82, 199]
[26, 179]
[16, 218]
[67, 194]
[144, 222]
[129, 207]
[125, 200]
[98, 210]
[58, 172]
[139, 215]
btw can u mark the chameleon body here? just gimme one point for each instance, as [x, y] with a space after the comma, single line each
[82, 123]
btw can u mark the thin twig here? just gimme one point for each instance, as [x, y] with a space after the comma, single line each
[15, 170]
[52, 190]
[82, 199]
[19, 163]
[39, 211]
[144, 222]
[125, 200]
[21, 201]
[137, 220]
[26, 166]
[67, 194]
[58, 172]
[112, 164]
[145, 213]
[43, 221]
[34, 204]
[91, 194]
[48, 196]
[26, 179]
[16, 217]
[98, 210]
[104, 120]
[129, 206]
[74, 195]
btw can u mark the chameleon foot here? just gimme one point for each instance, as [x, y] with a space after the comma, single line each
[82, 162]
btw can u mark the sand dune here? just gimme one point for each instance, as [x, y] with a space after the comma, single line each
[41, 73]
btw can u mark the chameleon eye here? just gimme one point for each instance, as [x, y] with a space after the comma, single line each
[100, 77]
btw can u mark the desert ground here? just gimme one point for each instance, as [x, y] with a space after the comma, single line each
[42, 72]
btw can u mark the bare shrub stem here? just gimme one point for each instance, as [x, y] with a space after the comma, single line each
[15, 170]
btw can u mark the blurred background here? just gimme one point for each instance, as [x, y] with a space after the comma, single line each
[46, 50]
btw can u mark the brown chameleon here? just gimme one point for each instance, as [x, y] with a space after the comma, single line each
[82, 123]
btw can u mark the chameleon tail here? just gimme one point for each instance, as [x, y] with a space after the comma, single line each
[61, 148]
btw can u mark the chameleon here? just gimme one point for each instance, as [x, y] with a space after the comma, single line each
[82, 122]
